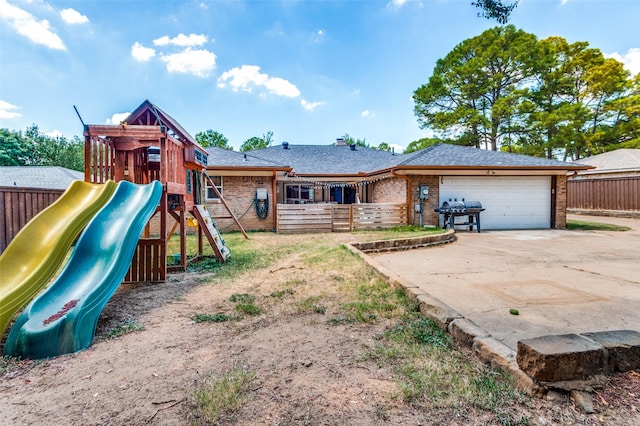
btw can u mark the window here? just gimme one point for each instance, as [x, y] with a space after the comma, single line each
[343, 195]
[211, 194]
[298, 194]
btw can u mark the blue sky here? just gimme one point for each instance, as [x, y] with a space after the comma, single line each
[309, 71]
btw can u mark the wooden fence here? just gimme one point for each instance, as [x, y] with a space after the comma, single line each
[621, 194]
[18, 206]
[303, 218]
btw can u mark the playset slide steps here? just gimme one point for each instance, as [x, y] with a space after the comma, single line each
[63, 318]
[39, 249]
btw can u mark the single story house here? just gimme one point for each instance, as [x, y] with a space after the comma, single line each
[612, 185]
[612, 164]
[239, 177]
[516, 191]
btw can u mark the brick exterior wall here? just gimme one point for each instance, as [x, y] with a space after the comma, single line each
[392, 190]
[561, 201]
[239, 192]
[429, 217]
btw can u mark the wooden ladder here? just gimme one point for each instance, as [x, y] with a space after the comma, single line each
[208, 226]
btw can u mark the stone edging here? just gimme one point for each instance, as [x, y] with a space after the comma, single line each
[406, 243]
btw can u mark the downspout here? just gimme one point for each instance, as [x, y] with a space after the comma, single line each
[407, 179]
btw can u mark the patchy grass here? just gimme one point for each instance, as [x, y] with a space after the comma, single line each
[126, 327]
[312, 304]
[282, 293]
[594, 226]
[248, 309]
[221, 395]
[219, 317]
[435, 374]
[242, 298]
[432, 372]
[397, 232]
[245, 304]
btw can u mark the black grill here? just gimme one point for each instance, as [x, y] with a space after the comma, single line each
[452, 209]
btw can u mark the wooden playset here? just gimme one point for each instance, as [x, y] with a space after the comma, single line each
[150, 145]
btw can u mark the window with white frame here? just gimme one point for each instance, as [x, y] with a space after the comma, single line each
[211, 194]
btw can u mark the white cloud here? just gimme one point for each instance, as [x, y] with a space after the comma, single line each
[25, 24]
[199, 62]
[248, 77]
[396, 4]
[631, 59]
[72, 16]
[368, 114]
[117, 118]
[310, 106]
[318, 36]
[7, 110]
[55, 133]
[563, 2]
[281, 87]
[141, 53]
[182, 40]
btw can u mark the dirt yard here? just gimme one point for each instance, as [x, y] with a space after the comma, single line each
[308, 369]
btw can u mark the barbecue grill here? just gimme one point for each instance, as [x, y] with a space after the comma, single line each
[452, 209]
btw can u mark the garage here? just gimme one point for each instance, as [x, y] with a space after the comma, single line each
[510, 202]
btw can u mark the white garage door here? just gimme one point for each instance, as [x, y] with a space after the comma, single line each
[510, 202]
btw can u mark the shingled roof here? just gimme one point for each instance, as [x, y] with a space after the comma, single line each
[225, 158]
[330, 159]
[452, 156]
[321, 160]
[41, 177]
[620, 160]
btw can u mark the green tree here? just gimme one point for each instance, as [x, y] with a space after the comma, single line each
[358, 142]
[14, 149]
[577, 105]
[421, 144]
[255, 142]
[54, 151]
[383, 146]
[212, 138]
[548, 106]
[495, 9]
[473, 93]
[625, 132]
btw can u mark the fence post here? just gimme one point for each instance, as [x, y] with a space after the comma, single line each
[350, 217]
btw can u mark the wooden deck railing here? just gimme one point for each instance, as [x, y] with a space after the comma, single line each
[303, 218]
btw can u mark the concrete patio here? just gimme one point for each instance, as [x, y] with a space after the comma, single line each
[561, 283]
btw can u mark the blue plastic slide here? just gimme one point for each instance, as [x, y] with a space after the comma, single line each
[63, 318]
[36, 253]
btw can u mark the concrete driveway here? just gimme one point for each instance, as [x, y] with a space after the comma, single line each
[560, 281]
